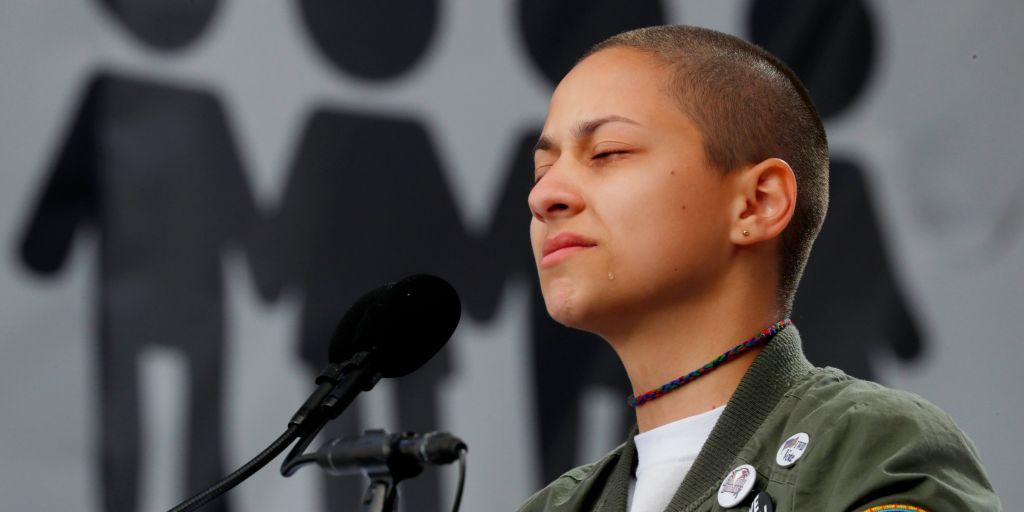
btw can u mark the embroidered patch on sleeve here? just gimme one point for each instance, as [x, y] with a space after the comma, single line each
[895, 508]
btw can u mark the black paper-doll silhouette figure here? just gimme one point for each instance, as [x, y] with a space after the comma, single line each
[366, 203]
[152, 171]
[358, 212]
[849, 300]
[568, 362]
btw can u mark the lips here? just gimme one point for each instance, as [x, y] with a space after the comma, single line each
[563, 245]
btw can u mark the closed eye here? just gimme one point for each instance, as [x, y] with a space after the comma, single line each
[609, 155]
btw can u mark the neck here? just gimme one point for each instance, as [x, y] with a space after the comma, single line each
[672, 341]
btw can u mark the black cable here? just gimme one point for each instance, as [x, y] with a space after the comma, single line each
[292, 461]
[240, 474]
[462, 481]
[291, 464]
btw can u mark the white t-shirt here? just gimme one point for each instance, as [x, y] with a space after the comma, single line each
[664, 456]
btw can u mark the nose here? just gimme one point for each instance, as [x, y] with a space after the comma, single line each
[555, 196]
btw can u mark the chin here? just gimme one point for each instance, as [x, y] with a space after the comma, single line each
[563, 312]
[569, 305]
[560, 297]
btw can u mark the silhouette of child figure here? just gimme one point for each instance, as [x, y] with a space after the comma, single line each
[365, 203]
[153, 171]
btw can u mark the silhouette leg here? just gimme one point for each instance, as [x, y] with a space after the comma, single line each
[205, 458]
[418, 412]
[119, 421]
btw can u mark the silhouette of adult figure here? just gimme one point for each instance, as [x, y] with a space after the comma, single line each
[848, 294]
[568, 362]
[153, 172]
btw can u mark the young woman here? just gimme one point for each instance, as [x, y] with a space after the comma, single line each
[681, 178]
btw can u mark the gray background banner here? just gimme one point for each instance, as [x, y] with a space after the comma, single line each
[192, 193]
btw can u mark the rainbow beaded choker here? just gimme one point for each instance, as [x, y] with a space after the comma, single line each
[672, 385]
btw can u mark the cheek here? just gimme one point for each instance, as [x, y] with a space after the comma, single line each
[536, 237]
[668, 231]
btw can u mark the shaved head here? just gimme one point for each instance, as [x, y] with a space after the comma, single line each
[750, 107]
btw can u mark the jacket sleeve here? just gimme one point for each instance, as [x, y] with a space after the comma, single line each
[895, 449]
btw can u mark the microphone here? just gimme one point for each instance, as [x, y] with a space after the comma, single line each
[434, 448]
[390, 331]
[377, 448]
[386, 320]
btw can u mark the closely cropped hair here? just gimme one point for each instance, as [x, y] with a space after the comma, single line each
[749, 107]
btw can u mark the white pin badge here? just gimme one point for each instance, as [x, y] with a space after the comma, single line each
[736, 486]
[792, 449]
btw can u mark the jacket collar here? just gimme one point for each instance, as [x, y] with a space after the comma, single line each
[779, 365]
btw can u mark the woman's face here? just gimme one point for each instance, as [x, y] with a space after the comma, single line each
[627, 214]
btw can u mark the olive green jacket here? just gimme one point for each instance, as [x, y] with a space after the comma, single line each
[869, 446]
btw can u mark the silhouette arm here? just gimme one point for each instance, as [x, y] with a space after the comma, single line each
[898, 323]
[69, 196]
[277, 239]
[245, 221]
[506, 244]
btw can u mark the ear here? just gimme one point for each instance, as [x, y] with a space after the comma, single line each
[765, 201]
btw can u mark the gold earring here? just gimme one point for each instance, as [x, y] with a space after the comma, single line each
[746, 233]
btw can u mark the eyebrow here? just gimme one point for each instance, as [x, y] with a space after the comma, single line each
[583, 129]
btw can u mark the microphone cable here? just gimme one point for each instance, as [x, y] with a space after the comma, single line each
[462, 480]
[241, 473]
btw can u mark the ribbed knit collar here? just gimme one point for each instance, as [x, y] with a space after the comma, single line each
[779, 365]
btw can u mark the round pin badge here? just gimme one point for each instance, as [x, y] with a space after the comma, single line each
[736, 486]
[762, 503]
[792, 449]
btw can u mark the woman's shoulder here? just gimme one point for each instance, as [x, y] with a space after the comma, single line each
[575, 488]
[831, 393]
[875, 445]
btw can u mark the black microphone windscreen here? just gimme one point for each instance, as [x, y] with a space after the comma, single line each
[403, 323]
[342, 345]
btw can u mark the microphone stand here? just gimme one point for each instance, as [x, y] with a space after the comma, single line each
[385, 473]
[382, 493]
[387, 459]
[374, 459]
